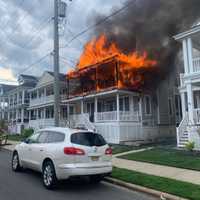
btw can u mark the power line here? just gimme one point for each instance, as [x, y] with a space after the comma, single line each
[68, 60]
[35, 63]
[40, 28]
[99, 22]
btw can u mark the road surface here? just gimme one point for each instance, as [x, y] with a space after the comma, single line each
[27, 185]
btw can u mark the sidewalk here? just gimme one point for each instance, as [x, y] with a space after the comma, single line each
[186, 175]
[10, 146]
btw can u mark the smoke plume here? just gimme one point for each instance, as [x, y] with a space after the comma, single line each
[149, 25]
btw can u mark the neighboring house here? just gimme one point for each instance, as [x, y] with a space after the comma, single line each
[4, 88]
[41, 108]
[18, 102]
[189, 129]
[120, 114]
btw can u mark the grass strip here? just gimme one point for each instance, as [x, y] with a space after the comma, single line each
[171, 186]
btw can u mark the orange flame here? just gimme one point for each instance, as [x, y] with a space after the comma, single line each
[97, 69]
[96, 50]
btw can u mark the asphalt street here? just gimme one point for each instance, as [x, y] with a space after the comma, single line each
[27, 185]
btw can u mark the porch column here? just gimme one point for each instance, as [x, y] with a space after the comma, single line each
[29, 115]
[95, 108]
[185, 56]
[22, 116]
[183, 104]
[23, 96]
[82, 111]
[190, 103]
[117, 99]
[16, 117]
[190, 56]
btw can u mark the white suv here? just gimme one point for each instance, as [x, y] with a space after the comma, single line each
[60, 153]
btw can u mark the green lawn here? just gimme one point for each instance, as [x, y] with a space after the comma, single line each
[122, 148]
[15, 137]
[169, 157]
[179, 188]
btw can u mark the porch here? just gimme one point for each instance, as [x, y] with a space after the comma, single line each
[111, 106]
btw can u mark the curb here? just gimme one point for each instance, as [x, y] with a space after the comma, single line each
[130, 186]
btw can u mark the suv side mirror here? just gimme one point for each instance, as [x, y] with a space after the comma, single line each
[27, 140]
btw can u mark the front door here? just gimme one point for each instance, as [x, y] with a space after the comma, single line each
[90, 110]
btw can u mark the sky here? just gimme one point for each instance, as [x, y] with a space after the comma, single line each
[26, 34]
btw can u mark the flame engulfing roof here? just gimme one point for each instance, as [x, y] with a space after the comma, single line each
[102, 66]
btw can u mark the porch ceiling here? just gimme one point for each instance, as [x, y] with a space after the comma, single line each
[102, 94]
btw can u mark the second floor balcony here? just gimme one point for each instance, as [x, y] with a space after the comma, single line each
[44, 100]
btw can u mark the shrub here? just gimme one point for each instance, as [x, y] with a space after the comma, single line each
[190, 146]
[27, 133]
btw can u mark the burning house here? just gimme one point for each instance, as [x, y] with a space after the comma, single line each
[117, 95]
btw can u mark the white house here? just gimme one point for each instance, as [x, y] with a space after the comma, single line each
[41, 107]
[4, 89]
[122, 115]
[18, 102]
[189, 129]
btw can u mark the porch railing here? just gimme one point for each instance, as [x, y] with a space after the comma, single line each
[112, 116]
[196, 116]
[196, 64]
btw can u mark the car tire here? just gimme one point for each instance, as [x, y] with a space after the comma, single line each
[49, 175]
[16, 167]
[95, 179]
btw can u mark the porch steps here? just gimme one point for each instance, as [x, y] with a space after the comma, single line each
[183, 140]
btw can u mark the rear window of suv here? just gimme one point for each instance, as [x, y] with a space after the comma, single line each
[88, 139]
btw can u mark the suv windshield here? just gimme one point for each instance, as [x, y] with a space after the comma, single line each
[88, 139]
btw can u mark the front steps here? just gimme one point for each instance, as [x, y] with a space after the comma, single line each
[183, 139]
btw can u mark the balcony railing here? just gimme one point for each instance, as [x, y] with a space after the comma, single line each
[197, 116]
[44, 100]
[112, 116]
[196, 64]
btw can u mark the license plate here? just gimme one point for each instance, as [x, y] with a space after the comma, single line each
[94, 158]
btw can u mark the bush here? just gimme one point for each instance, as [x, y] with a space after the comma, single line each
[27, 133]
[190, 146]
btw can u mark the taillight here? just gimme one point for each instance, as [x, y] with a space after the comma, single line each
[73, 151]
[108, 151]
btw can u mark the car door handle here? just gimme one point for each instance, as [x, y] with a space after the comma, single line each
[41, 149]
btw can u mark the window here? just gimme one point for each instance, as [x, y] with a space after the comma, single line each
[124, 103]
[49, 112]
[135, 104]
[147, 105]
[33, 138]
[54, 137]
[88, 139]
[110, 105]
[43, 137]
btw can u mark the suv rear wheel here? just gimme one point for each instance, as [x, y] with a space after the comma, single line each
[49, 175]
[96, 179]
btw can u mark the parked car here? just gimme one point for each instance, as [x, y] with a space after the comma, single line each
[61, 153]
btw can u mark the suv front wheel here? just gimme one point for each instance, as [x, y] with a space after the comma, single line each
[15, 162]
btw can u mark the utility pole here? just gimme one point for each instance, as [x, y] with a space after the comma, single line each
[56, 66]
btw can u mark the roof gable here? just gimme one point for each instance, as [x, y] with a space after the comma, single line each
[45, 79]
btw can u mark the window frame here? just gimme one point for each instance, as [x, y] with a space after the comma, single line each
[145, 105]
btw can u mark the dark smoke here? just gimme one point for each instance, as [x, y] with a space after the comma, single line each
[149, 25]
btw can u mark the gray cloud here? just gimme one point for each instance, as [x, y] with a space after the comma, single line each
[21, 44]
